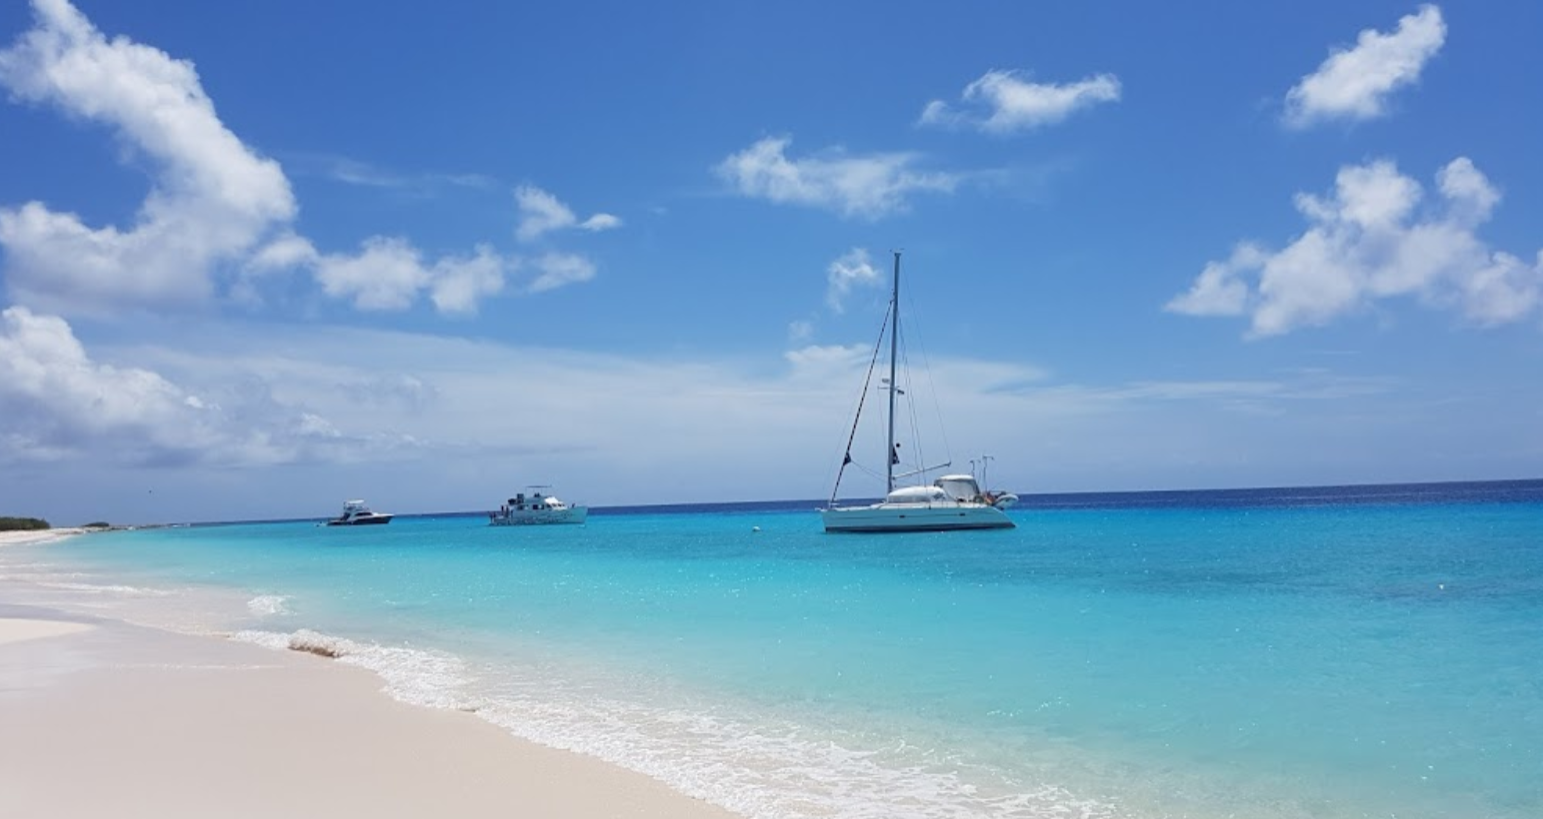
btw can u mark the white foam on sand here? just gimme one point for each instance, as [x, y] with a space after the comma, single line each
[754, 768]
[419, 677]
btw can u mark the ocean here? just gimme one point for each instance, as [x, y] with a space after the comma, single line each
[1262, 654]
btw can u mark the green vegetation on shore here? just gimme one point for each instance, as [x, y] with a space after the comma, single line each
[22, 524]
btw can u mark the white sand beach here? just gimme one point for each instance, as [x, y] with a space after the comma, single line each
[106, 718]
[36, 536]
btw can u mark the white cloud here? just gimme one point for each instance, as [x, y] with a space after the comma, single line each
[1011, 104]
[459, 283]
[215, 206]
[287, 251]
[561, 270]
[213, 199]
[389, 274]
[1369, 241]
[541, 213]
[386, 274]
[59, 404]
[1218, 291]
[853, 269]
[599, 222]
[863, 186]
[1354, 84]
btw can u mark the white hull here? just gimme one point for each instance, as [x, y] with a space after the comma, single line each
[572, 514]
[371, 519]
[912, 517]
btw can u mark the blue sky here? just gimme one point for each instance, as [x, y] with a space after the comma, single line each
[257, 258]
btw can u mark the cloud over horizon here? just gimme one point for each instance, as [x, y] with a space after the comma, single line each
[59, 405]
[1355, 84]
[1370, 241]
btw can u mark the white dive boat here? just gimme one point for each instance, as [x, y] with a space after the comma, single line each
[950, 503]
[356, 513]
[536, 509]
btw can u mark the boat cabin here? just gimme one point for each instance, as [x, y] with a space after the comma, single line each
[535, 503]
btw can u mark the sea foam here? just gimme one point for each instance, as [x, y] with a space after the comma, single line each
[268, 605]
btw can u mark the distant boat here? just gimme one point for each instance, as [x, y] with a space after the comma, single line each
[950, 503]
[356, 513]
[536, 510]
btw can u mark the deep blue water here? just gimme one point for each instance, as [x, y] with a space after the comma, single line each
[1320, 652]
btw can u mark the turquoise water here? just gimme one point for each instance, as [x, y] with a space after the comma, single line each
[1334, 653]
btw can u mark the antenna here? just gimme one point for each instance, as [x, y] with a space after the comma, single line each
[984, 460]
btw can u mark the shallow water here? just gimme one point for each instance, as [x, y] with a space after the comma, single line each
[1334, 652]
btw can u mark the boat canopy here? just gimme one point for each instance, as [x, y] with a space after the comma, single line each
[959, 487]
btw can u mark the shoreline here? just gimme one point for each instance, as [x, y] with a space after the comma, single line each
[38, 537]
[168, 724]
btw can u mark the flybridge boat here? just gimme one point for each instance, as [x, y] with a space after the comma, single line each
[536, 509]
[356, 513]
[950, 503]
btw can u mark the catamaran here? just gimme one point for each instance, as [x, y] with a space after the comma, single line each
[952, 502]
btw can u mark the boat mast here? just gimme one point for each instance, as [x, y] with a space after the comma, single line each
[894, 345]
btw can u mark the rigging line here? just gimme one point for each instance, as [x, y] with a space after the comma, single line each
[916, 439]
[910, 404]
[932, 389]
[846, 456]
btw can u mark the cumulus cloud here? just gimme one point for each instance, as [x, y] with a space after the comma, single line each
[863, 186]
[1354, 84]
[542, 213]
[389, 274]
[214, 198]
[853, 269]
[59, 404]
[215, 205]
[457, 284]
[1372, 240]
[1004, 102]
[285, 252]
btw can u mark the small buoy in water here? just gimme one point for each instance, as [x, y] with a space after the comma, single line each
[1441, 586]
[755, 528]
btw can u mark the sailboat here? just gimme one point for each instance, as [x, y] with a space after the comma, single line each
[950, 503]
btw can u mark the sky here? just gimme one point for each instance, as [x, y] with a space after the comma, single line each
[260, 258]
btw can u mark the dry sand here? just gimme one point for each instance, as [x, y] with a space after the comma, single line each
[110, 719]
